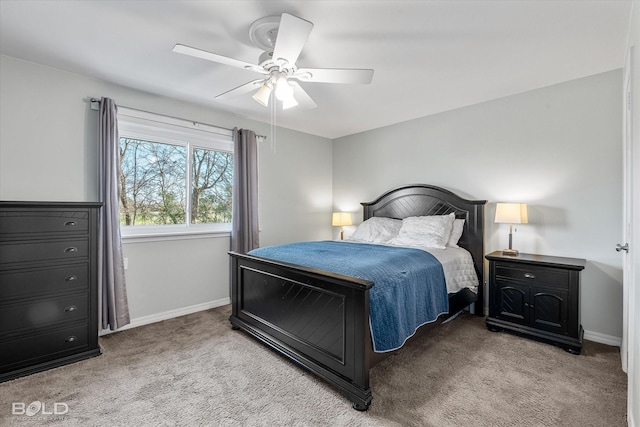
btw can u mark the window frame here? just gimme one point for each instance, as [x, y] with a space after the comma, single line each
[145, 126]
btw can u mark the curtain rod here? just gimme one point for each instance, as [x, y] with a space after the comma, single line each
[97, 101]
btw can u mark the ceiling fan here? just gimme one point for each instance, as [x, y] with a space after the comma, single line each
[282, 39]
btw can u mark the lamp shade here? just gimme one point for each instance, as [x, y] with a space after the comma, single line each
[263, 94]
[284, 91]
[511, 213]
[341, 218]
[289, 103]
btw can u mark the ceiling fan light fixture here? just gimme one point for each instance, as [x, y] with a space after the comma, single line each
[283, 91]
[263, 94]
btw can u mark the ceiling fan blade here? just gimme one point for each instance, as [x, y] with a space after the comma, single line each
[334, 75]
[241, 90]
[302, 97]
[203, 54]
[292, 35]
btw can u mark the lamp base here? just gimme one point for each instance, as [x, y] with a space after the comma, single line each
[510, 252]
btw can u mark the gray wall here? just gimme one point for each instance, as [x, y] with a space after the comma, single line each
[558, 148]
[48, 151]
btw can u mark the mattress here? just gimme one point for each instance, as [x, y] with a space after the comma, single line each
[458, 266]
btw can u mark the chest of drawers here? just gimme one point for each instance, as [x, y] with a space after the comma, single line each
[48, 285]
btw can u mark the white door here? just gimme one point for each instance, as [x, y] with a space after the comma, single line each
[624, 247]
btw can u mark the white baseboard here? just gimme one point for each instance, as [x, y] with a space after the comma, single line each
[153, 318]
[602, 338]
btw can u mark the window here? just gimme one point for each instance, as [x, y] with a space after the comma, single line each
[174, 175]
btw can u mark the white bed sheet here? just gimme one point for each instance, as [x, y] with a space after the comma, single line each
[459, 270]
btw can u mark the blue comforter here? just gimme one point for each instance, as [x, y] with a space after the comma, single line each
[409, 285]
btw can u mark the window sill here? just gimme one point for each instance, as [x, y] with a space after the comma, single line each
[158, 235]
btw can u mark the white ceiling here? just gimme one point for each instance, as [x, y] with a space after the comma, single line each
[428, 56]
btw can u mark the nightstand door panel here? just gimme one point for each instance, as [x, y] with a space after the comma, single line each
[550, 309]
[512, 302]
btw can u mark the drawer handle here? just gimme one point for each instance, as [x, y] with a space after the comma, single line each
[529, 276]
[70, 338]
[71, 278]
[71, 249]
[70, 224]
[70, 309]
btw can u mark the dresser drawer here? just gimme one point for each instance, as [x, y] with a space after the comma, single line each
[36, 313]
[532, 274]
[41, 347]
[26, 283]
[30, 222]
[44, 251]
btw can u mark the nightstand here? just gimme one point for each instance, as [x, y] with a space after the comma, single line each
[536, 296]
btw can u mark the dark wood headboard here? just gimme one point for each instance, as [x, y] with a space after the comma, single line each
[423, 199]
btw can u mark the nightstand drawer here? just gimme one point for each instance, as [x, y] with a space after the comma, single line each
[31, 314]
[30, 222]
[27, 283]
[533, 274]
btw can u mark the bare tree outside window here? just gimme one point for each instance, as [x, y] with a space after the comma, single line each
[153, 184]
[212, 183]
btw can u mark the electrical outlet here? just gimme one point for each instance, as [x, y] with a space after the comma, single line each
[126, 263]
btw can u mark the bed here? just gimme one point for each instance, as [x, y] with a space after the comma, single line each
[333, 338]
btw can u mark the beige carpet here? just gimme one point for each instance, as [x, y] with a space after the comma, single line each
[195, 370]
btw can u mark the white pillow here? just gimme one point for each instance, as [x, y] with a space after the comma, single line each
[425, 231]
[456, 233]
[376, 230]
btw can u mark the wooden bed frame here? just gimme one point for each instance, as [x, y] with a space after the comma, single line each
[319, 319]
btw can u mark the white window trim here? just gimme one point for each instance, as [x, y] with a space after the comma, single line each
[163, 235]
[143, 125]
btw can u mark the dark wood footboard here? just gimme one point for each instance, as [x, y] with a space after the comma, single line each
[317, 319]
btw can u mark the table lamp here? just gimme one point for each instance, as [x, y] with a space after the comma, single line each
[511, 213]
[340, 219]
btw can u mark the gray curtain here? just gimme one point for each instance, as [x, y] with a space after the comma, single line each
[111, 282]
[244, 222]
